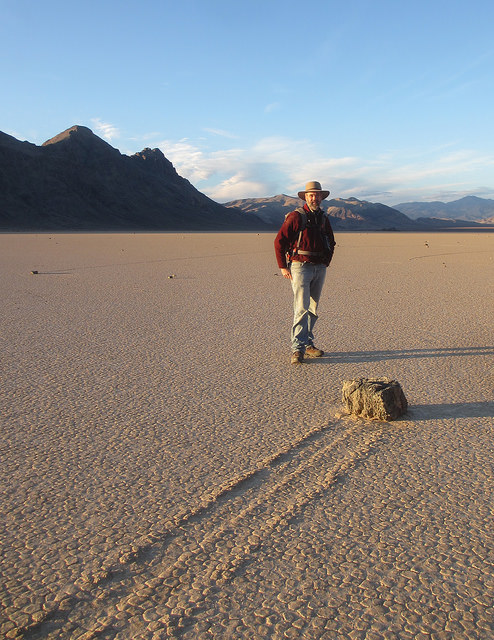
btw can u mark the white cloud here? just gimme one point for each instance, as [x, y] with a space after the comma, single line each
[238, 184]
[273, 106]
[197, 165]
[105, 129]
[221, 132]
[274, 165]
[145, 137]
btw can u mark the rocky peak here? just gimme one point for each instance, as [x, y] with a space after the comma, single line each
[80, 141]
[77, 181]
[75, 132]
[153, 161]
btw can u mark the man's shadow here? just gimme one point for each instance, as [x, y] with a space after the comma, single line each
[348, 357]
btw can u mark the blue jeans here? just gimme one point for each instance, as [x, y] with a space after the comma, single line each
[307, 283]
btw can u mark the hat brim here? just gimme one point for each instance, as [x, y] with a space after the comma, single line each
[324, 194]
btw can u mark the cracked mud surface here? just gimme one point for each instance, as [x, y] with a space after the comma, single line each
[166, 474]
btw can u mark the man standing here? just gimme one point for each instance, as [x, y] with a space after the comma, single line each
[304, 248]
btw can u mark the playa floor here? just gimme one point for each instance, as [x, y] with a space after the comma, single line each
[167, 474]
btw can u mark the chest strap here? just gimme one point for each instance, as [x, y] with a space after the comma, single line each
[309, 253]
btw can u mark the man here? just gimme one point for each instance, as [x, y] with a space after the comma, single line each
[304, 248]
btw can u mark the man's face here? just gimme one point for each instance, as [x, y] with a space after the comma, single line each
[313, 199]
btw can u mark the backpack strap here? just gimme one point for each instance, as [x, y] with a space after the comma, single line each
[303, 225]
[303, 217]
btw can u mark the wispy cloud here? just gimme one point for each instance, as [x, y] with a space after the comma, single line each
[240, 183]
[273, 106]
[195, 164]
[105, 129]
[221, 132]
[146, 137]
[274, 165]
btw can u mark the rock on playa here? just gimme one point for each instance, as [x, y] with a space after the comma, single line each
[377, 398]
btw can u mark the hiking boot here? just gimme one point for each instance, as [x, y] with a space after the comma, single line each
[297, 357]
[313, 352]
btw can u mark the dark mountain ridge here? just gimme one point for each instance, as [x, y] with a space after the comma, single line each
[345, 214]
[352, 214]
[470, 208]
[77, 181]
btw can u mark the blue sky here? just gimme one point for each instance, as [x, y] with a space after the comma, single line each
[382, 100]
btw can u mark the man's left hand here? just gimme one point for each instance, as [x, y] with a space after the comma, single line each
[286, 274]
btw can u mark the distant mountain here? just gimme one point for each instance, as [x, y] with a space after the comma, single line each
[77, 181]
[271, 210]
[350, 214]
[360, 214]
[470, 208]
[439, 224]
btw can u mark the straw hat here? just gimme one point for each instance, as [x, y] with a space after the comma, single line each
[313, 186]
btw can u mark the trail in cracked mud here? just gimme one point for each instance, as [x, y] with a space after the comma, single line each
[166, 473]
[192, 570]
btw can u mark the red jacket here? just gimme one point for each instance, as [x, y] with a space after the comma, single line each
[312, 239]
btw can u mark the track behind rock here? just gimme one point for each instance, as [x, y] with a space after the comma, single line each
[174, 586]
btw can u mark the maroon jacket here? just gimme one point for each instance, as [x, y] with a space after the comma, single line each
[312, 239]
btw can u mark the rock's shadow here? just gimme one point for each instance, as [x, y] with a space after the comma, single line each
[452, 410]
[421, 411]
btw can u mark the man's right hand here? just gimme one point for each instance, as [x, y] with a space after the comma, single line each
[286, 274]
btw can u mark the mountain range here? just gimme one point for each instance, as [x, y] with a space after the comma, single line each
[345, 214]
[78, 182]
[468, 208]
[360, 215]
